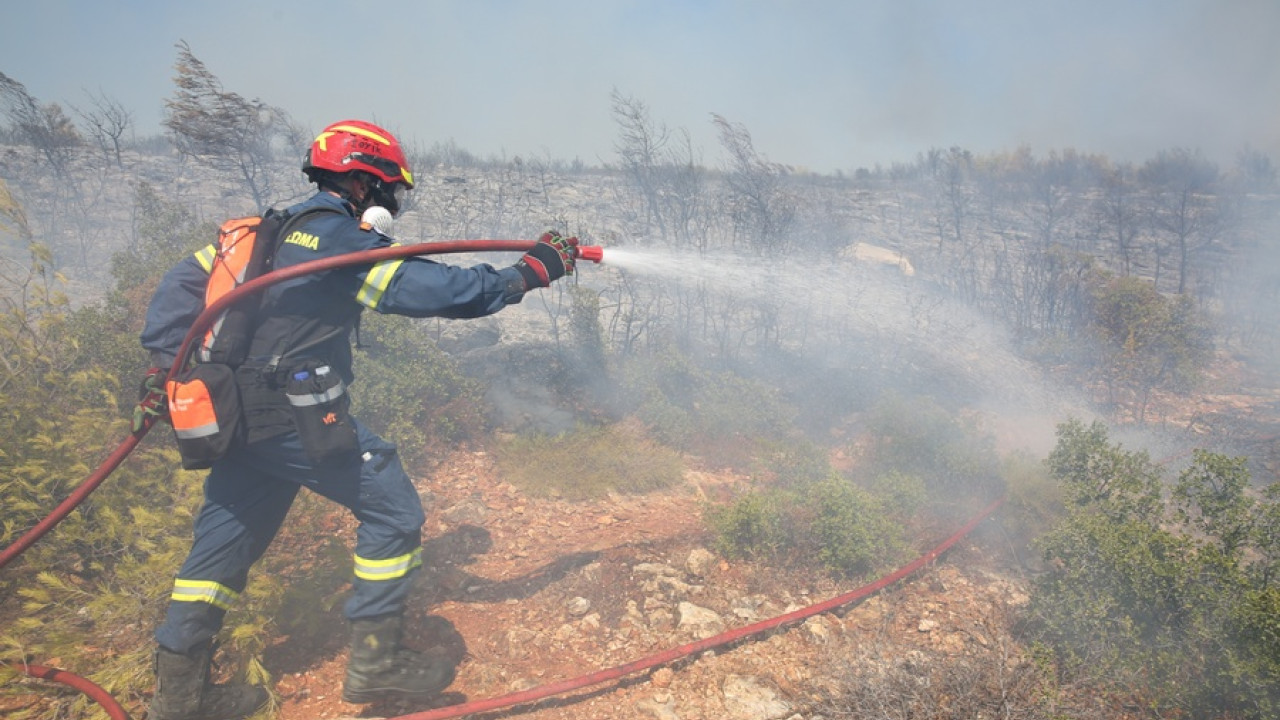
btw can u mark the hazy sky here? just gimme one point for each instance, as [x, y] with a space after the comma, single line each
[823, 84]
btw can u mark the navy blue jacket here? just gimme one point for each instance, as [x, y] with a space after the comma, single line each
[294, 309]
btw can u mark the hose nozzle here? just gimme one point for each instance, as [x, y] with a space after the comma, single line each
[594, 253]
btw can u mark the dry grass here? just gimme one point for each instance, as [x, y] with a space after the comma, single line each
[588, 462]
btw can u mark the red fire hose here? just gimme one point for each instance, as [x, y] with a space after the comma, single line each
[600, 676]
[95, 693]
[688, 649]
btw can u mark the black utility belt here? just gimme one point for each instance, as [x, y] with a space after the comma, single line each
[215, 407]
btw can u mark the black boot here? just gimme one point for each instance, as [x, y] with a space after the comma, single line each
[183, 690]
[380, 668]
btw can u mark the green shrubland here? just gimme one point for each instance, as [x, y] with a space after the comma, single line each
[801, 511]
[1168, 598]
[690, 407]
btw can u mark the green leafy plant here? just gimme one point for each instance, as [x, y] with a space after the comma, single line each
[790, 462]
[90, 592]
[1147, 341]
[690, 407]
[410, 391]
[1034, 502]
[853, 530]
[829, 523]
[752, 526]
[1165, 600]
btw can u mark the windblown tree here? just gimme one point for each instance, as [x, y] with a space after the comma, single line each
[760, 207]
[1052, 191]
[950, 174]
[640, 147]
[1254, 171]
[13, 221]
[67, 212]
[233, 135]
[663, 167]
[685, 202]
[951, 188]
[44, 127]
[1117, 216]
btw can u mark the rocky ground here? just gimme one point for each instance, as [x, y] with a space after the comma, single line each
[528, 591]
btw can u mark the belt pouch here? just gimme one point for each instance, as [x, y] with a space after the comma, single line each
[321, 413]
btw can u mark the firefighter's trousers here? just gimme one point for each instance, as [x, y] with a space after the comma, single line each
[246, 497]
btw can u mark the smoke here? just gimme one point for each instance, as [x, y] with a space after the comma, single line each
[841, 85]
[855, 331]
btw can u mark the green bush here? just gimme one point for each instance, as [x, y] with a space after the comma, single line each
[853, 530]
[752, 526]
[92, 588]
[830, 523]
[1033, 502]
[90, 592]
[901, 494]
[1175, 607]
[669, 423]
[410, 391]
[1147, 341]
[790, 462]
[585, 329]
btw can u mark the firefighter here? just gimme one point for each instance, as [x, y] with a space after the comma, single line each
[303, 332]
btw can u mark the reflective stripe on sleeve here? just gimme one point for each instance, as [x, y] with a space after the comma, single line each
[205, 256]
[376, 282]
[208, 591]
[389, 569]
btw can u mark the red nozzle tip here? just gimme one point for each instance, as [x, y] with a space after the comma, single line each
[594, 253]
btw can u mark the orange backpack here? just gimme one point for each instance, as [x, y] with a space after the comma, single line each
[204, 399]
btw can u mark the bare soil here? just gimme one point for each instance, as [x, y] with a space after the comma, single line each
[507, 574]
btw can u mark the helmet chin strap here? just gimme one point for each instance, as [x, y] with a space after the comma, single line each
[375, 192]
[343, 188]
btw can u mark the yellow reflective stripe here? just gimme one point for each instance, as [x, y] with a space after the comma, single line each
[354, 130]
[208, 591]
[205, 256]
[389, 569]
[376, 282]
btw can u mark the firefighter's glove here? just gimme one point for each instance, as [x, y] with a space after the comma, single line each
[153, 401]
[549, 260]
